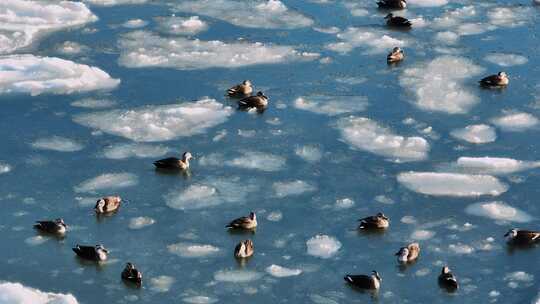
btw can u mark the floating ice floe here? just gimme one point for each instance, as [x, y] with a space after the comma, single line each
[499, 211]
[344, 203]
[373, 40]
[145, 49]
[515, 121]
[236, 276]
[258, 161]
[190, 250]
[71, 48]
[159, 123]
[281, 272]
[505, 59]
[275, 216]
[323, 246]
[199, 300]
[182, 25]
[309, 153]
[427, 3]
[34, 241]
[366, 134]
[422, 235]
[460, 248]
[57, 143]
[269, 14]
[22, 21]
[91, 103]
[108, 181]
[16, 293]
[519, 279]
[37, 75]
[122, 151]
[211, 193]
[135, 23]
[161, 283]
[510, 16]
[4, 168]
[114, 2]
[452, 184]
[476, 134]
[292, 188]
[332, 105]
[356, 9]
[493, 165]
[141, 222]
[438, 84]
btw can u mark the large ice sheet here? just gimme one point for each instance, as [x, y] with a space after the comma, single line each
[331, 105]
[476, 134]
[498, 211]
[16, 293]
[493, 165]
[452, 184]
[374, 41]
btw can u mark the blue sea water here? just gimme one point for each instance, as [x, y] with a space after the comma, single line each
[253, 162]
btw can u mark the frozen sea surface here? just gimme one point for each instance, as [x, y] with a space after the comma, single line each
[93, 91]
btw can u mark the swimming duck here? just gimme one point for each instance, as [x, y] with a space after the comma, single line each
[372, 281]
[395, 55]
[245, 222]
[379, 221]
[93, 253]
[409, 253]
[397, 21]
[107, 204]
[131, 274]
[392, 4]
[447, 279]
[174, 163]
[57, 226]
[259, 101]
[240, 90]
[522, 237]
[495, 81]
[244, 249]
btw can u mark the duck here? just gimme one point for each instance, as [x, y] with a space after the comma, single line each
[397, 21]
[93, 253]
[396, 55]
[392, 4]
[245, 222]
[259, 101]
[408, 253]
[244, 249]
[175, 163]
[378, 221]
[107, 204]
[448, 280]
[498, 80]
[371, 282]
[522, 237]
[131, 274]
[57, 226]
[240, 90]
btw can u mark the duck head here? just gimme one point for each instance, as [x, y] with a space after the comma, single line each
[502, 75]
[100, 204]
[129, 266]
[381, 215]
[376, 275]
[512, 233]
[402, 254]
[187, 156]
[445, 270]
[246, 83]
[252, 216]
[60, 222]
[261, 94]
[100, 248]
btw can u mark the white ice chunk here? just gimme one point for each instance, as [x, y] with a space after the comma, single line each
[108, 181]
[427, 3]
[211, 193]
[145, 49]
[344, 203]
[199, 300]
[22, 22]
[323, 246]
[292, 188]
[236, 276]
[190, 250]
[114, 2]
[493, 165]
[123, 151]
[451, 184]
[422, 235]
[159, 123]
[16, 293]
[365, 134]
[57, 143]
[331, 105]
[140, 222]
[506, 59]
[34, 75]
[91, 103]
[71, 48]
[135, 23]
[460, 248]
[275, 216]
[373, 40]
[476, 134]
[309, 153]
[515, 121]
[182, 25]
[499, 211]
[161, 283]
[269, 14]
[4, 168]
[510, 16]
[281, 272]
[439, 84]
[258, 161]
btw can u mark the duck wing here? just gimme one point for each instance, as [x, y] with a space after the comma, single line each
[239, 222]
[87, 252]
[47, 226]
[250, 101]
[167, 162]
[489, 80]
[361, 280]
[526, 235]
